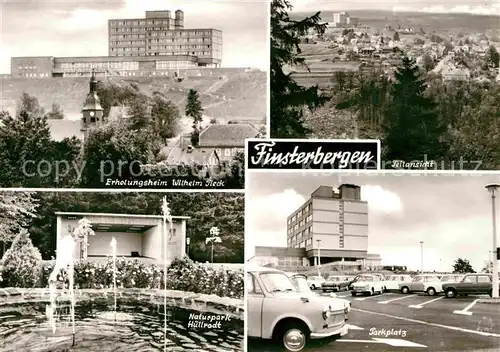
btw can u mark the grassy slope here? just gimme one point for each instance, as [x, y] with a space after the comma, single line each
[242, 95]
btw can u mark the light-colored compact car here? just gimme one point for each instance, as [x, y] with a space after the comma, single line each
[315, 282]
[277, 310]
[336, 283]
[301, 284]
[429, 283]
[370, 284]
[392, 283]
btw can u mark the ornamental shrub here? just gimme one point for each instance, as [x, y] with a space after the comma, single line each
[22, 263]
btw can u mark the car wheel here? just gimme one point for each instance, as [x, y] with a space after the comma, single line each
[450, 293]
[313, 287]
[431, 291]
[353, 294]
[294, 337]
[405, 290]
[490, 293]
[372, 292]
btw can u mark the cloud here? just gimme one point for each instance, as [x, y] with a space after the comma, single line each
[381, 200]
[493, 10]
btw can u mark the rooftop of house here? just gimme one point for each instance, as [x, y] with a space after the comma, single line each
[116, 215]
[233, 135]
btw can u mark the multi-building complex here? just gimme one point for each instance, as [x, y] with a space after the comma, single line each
[153, 45]
[342, 19]
[329, 227]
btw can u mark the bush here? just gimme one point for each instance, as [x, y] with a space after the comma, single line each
[22, 263]
[183, 275]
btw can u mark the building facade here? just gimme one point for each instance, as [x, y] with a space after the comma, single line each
[331, 225]
[154, 46]
[158, 34]
[141, 236]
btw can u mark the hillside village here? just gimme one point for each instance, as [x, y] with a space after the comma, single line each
[353, 47]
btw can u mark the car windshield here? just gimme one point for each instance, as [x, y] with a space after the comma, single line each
[301, 284]
[277, 282]
[365, 278]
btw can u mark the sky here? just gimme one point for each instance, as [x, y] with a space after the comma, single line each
[451, 214]
[79, 28]
[485, 7]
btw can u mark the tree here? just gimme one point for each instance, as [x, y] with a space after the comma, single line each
[448, 47]
[396, 37]
[193, 107]
[30, 105]
[113, 150]
[288, 99]
[493, 57]
[56, 113]
[165, 117]
[428, 62]
[194, 110]
[24, 144]
[17, 209]
[488, 267]
[413, 129]
[462, 266]
[22, 263]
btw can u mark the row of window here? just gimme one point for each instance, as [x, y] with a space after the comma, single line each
[125, 65]
[26, 67]
[300, 224]
[32, 75]
[301, 236]
[301, 213]
[128, 36]
[227, 152]
[173, 47]
[115, 40]
[174, 64]
[119, 23]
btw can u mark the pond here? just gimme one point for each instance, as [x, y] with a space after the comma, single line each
[134, 327]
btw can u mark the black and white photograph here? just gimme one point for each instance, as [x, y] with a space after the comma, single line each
[87, 271]
[421, 76]
[378, 261]
[131, 93]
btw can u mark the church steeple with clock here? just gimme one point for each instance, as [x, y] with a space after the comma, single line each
[92, 110]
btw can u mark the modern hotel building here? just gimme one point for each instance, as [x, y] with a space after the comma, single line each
[331, 225]
[153, 45]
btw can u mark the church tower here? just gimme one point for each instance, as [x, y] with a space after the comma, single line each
[92, 110]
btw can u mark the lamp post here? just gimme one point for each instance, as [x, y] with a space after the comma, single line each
[492, 188]
[421, 257]
[188, 241]
[214, 238]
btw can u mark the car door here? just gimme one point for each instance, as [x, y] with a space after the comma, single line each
[255, 300]
[417, 285]
[484, 284]
[468, 285]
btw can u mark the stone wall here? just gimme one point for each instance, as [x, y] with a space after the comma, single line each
[179, 299]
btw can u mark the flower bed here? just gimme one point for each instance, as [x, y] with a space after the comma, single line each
[183, 275]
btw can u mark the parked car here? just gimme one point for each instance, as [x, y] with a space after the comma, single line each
[276, 310]
[370, 284]
[392, 283]
[315, 281]
[428, 283]
[474, 284]
[301, 284]
[336, 283]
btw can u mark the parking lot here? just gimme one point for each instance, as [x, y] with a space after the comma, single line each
[397, 322]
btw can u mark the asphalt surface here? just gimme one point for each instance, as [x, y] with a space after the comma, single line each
[412, 322]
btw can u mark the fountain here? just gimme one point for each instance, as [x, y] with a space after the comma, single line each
[65, 266]
[166, 217]
[113, 246]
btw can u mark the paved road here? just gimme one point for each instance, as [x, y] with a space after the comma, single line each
[397, 322]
